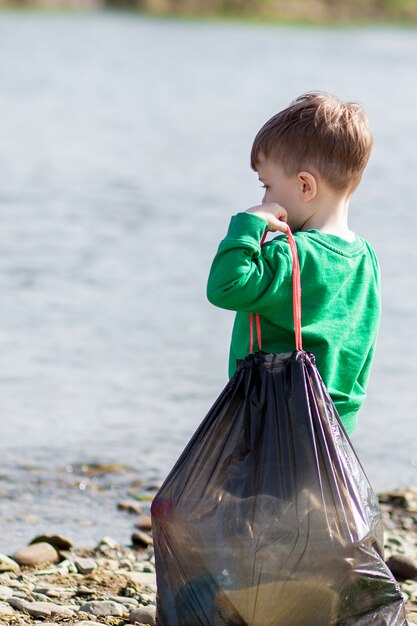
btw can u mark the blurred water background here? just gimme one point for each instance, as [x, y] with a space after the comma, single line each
[124, 150]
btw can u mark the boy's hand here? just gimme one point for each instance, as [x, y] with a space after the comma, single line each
[273, 213]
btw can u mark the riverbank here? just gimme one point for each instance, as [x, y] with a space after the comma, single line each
[52, 581]
[322, 13]
[319, 12]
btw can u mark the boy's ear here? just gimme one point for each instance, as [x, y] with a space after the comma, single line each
[307, 185]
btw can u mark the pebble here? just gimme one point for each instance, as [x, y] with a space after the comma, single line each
[5, 592]
[53, 591]
[59, 542]
[143, 615]
[130, 603]
[40, 596]
[8, 565]
[17, 603]
[131, 507]
[40, 609]
[407, 523]
[85, 566]
[402, 498]
[6, 609]
[143, 578]
[36, 553]
[103, 607]
[20, 594]
[402, 567]
[25, 585]
[144, 523]
[107, 543]
[83, 590]
[140, 538]
[67, 566]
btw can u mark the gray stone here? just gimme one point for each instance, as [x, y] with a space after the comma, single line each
[5, 592]
[40, 609]
[146, 598]
[107, 543]
[52, 591]
[40, 596]
[143, 615]
[130, 603]
[103, 607]
[18, 603]
[143, 578]
[85, 565]
[36, 553]
[18, 584]
[20, 593]
[8, 565]
[402, 567]
[66, 554]
[147, 567]
[6, 609]
[130, 592]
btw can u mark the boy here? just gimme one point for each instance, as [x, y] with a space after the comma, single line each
[310, 158]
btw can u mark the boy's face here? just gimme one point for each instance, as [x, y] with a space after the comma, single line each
[282, 189]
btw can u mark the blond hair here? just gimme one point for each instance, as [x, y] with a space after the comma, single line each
[318, 131]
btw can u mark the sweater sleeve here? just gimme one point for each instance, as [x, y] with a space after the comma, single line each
[244, 277]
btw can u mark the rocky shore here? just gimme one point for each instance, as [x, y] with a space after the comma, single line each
[51, 581]
[399, 509]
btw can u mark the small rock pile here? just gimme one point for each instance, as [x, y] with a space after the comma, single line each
[399, 510]
[49, 582]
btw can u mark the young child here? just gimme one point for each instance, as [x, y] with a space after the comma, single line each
[310, 158]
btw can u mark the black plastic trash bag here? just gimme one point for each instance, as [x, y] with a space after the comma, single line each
[267, 518]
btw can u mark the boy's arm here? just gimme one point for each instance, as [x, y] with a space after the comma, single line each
[242, 277]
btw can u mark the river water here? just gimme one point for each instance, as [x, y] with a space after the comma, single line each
[124, 146]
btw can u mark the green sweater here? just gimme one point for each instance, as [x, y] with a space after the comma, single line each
[340, 309]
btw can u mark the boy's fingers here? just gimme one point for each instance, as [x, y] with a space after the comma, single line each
[278, 224]
[282, 214]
